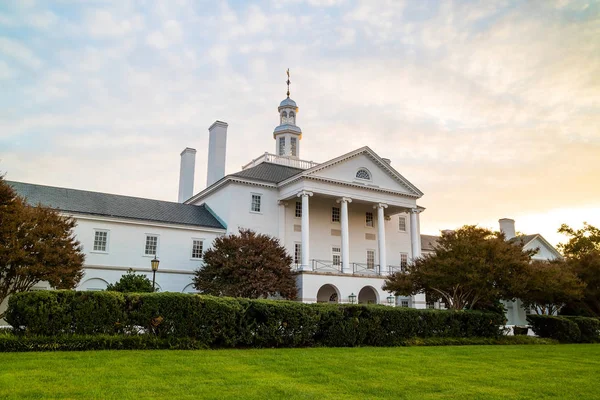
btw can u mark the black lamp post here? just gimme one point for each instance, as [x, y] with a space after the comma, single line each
[390, 300]
[154, 262]
[352, 298]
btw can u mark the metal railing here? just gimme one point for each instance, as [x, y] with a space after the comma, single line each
[327, 266]
[281, 160]
[365, 269]
[392, 269]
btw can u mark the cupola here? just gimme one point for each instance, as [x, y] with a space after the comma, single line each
[287, 135]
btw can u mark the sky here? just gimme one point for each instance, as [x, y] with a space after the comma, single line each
[491, 108]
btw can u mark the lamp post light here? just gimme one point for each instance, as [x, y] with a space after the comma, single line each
[352, 298]
[390, 300]
[154, 263]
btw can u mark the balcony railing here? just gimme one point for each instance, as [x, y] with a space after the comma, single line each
[281, 160]
[326, 266]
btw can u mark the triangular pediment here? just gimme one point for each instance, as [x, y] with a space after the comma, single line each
[375, 172]
[545, 251]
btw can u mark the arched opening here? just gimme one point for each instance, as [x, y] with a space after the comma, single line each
[94, 284]
[292, 117]
[367, 295]
[283, 117]
[328, 294]
[364, 174]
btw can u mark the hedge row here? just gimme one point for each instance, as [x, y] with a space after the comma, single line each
[20, 343]
[225, 322]
[566, 329]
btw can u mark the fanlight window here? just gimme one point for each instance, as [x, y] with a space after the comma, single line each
[363, 174]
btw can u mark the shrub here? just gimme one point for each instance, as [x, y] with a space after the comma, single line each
[589, 328]
[217, 322]
[131, 283]
[559, 328]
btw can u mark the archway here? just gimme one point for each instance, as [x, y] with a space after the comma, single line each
[367, 295]
[93, 284]
[328, 294]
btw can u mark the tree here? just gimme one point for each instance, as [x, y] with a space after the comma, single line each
[582, 253]
[131, 283]
[36, 244]
[581, 241]
[246, 265]
[551, 285]
[468, 267]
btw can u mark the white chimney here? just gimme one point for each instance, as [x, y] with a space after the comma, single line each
[507, 226]
[186, 174]
[217, 144]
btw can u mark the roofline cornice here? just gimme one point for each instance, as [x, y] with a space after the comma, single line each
[349, 184]
[225, 181]
[128, 221]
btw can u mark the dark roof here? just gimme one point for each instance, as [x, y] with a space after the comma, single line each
[267, 172]
[428, 242]
[523, 239]
[112, 205]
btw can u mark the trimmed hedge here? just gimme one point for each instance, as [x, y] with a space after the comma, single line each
[20, 343]
[566, 329]
[215, 322]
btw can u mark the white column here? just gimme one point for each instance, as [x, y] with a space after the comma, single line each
[346, 268]
[281, 222]
[381, 237]
[305, 230]
[419, 300]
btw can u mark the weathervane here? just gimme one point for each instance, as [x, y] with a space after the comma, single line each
[288, 82]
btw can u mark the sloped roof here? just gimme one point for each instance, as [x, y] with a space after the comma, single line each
[112, 205]
[268, 172]
[524, 239]
[428, 242]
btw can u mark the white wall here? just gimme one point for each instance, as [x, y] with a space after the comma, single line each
[126, 244]
[309, 285]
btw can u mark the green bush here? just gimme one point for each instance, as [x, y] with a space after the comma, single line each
[589, 328]
[558, 328]
[19, 343]
[225, 322]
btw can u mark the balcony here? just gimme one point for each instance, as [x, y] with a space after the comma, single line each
[281, 160]
[358, 269]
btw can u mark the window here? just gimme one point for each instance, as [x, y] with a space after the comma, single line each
[404, 303]
[402, 224]
[363, 174]
[369, 219]
[371, 259]
[297, 253]
[336, 254]
[294, 146]
[292, 116]
[335, 214]
[283, 117]
[151, 245]
[282, 146]
[197, 248]
[100, 240]
[255, 207]
[298, 209]
[403, 260]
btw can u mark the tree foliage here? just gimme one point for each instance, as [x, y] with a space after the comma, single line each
[468, 267]
[131, 283]
[551, 285]
[582, 254]
[36, 244]
[248, 265]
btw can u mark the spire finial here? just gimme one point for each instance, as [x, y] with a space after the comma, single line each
[288, 82]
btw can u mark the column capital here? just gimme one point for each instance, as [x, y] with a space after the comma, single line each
[282, 203]
[415, 211]
[344, 200]
[380, 205]
[304, 193]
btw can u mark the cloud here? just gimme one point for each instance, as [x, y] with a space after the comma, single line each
[102, 24]
[20, 53]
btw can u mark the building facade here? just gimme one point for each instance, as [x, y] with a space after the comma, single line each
[348, 222]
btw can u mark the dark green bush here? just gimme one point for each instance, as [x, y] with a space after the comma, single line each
[225, 322]
[558, 328]
[589, 328]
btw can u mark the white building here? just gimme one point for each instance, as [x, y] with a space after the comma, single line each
[347, 222]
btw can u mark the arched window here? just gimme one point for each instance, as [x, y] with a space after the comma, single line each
[292, 117]
[363, 174]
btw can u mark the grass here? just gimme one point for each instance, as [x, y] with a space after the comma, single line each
[461, 372]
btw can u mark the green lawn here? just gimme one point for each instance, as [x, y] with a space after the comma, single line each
[467, 372]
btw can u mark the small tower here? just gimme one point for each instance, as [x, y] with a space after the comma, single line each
[287, 135]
